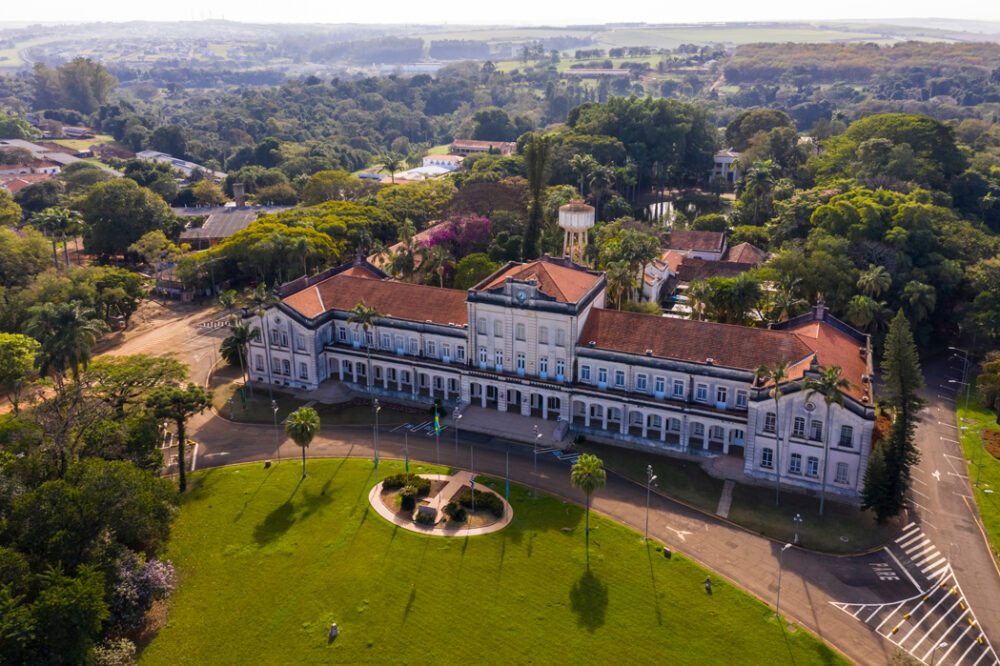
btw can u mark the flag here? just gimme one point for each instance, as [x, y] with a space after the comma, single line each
[376, 462]
[437, 423]
[507, 491]
[407, 462]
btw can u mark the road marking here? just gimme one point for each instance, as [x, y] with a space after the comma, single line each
[911, 539]
[961, 476]
[940, 572]
[936, 475]
[908, 532]
[953, 427]
[927, 615]
[953, 441]
[954, 643]
[948, 455]
[967, 650]
[886, 618]
[940, 620]
[920, 506]
[900, 565]
[915, 555]
[925, 495]
[929, 567]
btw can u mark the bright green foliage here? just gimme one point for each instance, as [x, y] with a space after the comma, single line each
[726, 300]
[588, 475]
[420, 202]
[302, 425]
[339, 562]
[334, 186]
[17, 360]
[10, 212]
[118, 213]
[67, 333]
[273, 251]
[745, 126]
[538, 158]
[22, 256]
[472, 269]
[12, 127]
[177, 404]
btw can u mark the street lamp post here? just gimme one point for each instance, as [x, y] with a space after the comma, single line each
[942, 644]
[650, 477]
[458, 417]
[230, 403]
[798, 521]
[277, 444]
[538, 436]
[378, 408]
[979, 467]
[777, 604]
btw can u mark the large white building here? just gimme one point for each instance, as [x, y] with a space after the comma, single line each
[536, 339]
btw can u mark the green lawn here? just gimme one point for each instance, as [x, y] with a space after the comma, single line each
[988, 492]
[753, 506]
[267, 563]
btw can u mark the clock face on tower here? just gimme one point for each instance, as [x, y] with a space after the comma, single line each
[521, 296]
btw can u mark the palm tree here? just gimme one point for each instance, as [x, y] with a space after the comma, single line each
[588, 475]
[177, 404]
[365, 317]
[758, 181]
[620, 279]
[260, 299]
[302, 425]
[784, 300]
[582, 165]
[228, 299]
[831, 385]
[874, 281]
[437, 259]
[921, 299]
[67, 333]
[392, 163]
[234, 347]
[403, 263]
[58, 223]
[601, 179]
[777, 375]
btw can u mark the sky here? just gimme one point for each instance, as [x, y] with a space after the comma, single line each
[527, 12]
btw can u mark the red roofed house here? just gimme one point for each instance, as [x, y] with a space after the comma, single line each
[535, 339]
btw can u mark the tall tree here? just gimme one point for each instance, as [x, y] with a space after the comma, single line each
[830, 384]
[67, 333]
[364, 316]
[537, 156]
[582, 166]
[392, 163]
[874, 281]
[117, 213]
[17, 360]
[60, 224]
[234, 347]
[302, 426]
[589, 476]
[775, 375]
[178, 405]
[260, 299]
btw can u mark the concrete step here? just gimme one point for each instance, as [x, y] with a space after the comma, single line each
[726, 500]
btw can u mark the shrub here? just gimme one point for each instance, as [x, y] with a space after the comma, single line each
[426, 518]
[408, 498]
[484, 500]
[395, 481]
[455, 512]
[119, 652]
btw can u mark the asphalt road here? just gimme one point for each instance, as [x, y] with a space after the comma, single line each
[844, 600]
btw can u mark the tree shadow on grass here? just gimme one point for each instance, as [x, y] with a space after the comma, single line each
[652, 581]
[278, 521]
[589, 600]
[249, 499]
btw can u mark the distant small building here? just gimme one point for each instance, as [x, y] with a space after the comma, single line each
[727, 165]
[448, 162]
[699, 244]
[183, 165]
[468, 146]
[221, 223]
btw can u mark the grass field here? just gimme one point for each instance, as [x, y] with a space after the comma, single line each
[842, 529]
[988, 492]
[267, 563]
[81, 144]
[732, 34]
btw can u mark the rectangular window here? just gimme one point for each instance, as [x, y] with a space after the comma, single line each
[543, 365]
[370, 338]
[584, 373]
[769, 422]
[767, 458]
[284, 339]
[519, 332]
[275, 366]
[701, 393]
[498, 357]
[481, 326]
[399, 344]
[812, 466]
[799, 427]
[560, 338]
[678, 388]
[699, 429]
[445, 349]
[300, 342]
[816, 431]
[286, 366]
[413, 346]
[498, 328]
[460, 352]
[303, 371]
[482, 356]
[260, 362]
[342, 334]
[520, 362]
[543, 335]
[560, 367]
[345, 365]
[619, 378]
[602, 375]
[841, 473]
[640, 382]
[431, 349]
[721, 394]
[386, 341]
[741, 399]
[659, 385]
[795, 464]
[846, 436]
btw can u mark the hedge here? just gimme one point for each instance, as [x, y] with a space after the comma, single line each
[484, 500]
[397, 481]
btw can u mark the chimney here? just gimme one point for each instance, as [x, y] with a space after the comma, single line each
[240, 195]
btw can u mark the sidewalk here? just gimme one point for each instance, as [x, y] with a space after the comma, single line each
[508, 426]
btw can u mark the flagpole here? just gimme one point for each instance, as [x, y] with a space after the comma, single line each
[507, 480]
[406, 448]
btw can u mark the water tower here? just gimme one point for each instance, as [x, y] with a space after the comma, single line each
[575, 218]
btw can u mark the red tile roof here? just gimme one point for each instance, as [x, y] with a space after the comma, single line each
[706, 241]
[695, 341]
[400, 300]
[833, 347]
[745, 253]
[692, 269]
[563, 283]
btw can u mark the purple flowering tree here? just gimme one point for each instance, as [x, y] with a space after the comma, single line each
[139, 583]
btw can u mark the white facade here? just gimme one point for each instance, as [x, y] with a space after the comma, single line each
[522, 352]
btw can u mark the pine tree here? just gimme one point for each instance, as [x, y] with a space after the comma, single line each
[878, 494]
[901, 375]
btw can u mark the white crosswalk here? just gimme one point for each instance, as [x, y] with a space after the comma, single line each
[935, 626]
